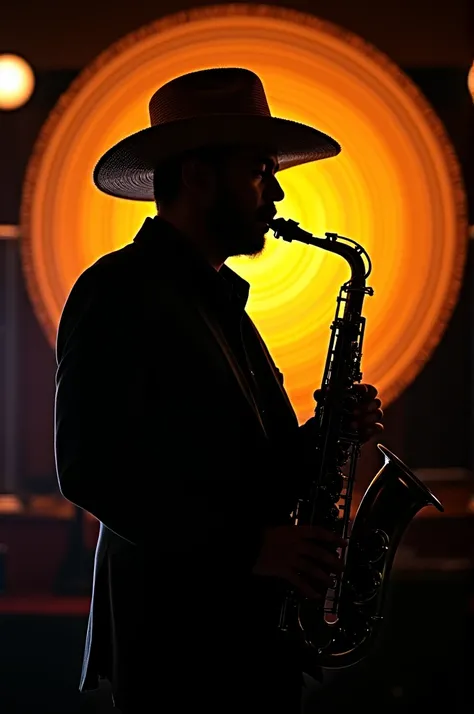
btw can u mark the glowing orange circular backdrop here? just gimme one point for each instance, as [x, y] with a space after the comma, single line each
[395, 188]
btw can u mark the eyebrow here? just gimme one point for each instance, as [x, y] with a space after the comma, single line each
[268, 160]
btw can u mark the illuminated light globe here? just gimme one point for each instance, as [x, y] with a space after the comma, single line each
[395, 188]
[470, 81]
[17, 81]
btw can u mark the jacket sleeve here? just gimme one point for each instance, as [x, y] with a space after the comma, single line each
[149, 476]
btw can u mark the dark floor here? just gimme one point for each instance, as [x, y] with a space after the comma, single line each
[420, 663]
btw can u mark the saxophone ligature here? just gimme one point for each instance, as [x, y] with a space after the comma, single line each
[341, 631]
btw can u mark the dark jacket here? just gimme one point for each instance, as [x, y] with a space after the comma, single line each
[174, 430]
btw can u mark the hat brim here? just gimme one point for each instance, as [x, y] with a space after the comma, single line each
[126, 170]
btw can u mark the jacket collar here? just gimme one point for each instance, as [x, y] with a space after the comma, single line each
[171, 249]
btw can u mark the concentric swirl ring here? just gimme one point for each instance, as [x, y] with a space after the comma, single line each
[396, 187]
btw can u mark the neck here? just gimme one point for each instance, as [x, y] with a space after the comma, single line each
[194, 230]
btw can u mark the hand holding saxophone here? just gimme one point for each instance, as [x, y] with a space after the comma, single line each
[304, 556]
[366, 413]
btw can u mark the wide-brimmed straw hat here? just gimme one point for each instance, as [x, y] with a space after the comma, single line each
[211, 107]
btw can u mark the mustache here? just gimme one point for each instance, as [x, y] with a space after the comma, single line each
[267, 215]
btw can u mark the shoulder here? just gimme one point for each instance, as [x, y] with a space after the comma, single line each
[102, 290]
[112, 271]
[109, 279]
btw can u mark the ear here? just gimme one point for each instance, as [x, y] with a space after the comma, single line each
[197, 176]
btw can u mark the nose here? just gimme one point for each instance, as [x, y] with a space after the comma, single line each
[280, 194]
[274, 190]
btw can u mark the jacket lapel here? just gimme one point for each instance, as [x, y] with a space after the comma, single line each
[278, 375]
[233, 363]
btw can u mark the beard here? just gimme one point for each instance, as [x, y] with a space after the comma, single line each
[237, 232]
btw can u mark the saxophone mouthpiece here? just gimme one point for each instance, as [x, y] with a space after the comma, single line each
[282, 228]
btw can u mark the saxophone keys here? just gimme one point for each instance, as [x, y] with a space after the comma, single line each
[373, 546]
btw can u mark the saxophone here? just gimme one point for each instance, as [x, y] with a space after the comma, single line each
[340, 632]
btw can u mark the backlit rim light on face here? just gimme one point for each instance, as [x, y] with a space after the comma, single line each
[396, 187]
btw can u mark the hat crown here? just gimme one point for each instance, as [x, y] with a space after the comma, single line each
[224, 90]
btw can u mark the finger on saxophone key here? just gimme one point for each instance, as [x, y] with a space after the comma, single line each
[303, 556]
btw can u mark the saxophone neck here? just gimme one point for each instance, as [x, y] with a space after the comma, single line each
[355, 254]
